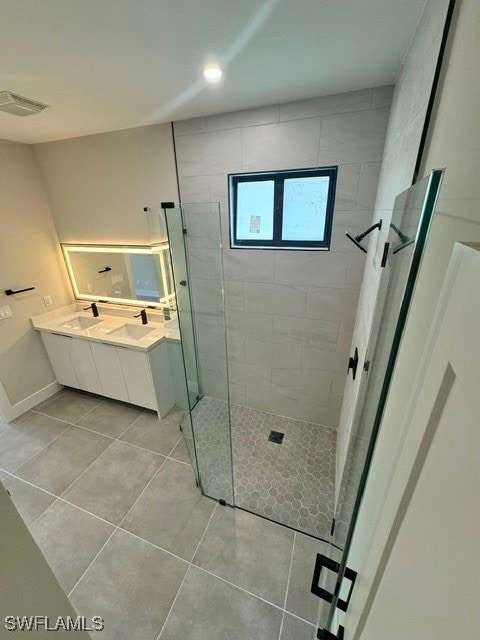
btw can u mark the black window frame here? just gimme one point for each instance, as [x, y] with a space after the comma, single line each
[279, 178]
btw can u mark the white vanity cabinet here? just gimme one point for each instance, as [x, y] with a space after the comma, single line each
[84, 365]
[114, 371]
[57, 349]
[110, 370]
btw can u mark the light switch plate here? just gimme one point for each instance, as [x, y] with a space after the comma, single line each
[5, 312]
[48, 301]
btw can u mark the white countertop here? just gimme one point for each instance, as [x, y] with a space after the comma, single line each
[53, 322]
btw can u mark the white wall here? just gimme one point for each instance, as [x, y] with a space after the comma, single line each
[407, 116]
[98, 185]
[454, 143]
[29, 256]
[289, 313]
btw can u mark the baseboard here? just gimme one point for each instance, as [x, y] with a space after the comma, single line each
[9, 412]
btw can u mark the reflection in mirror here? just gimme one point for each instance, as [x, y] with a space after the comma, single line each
[122, 274]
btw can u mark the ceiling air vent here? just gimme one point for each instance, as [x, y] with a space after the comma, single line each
[18, 105]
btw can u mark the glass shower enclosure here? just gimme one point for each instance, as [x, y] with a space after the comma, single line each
[197, 337]
[409, 226]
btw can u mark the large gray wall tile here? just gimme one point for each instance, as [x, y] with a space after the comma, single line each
[289, 145]
[353, 137]
[327, 105]
[310, 268]
[275, 299]
[348, 129]
[247, 118]
[272, 355]
[305, 332]
[206, 153]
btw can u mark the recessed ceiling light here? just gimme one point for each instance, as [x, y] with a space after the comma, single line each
[212, 73]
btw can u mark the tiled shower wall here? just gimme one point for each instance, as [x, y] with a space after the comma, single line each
[290, 314]
[409, 107]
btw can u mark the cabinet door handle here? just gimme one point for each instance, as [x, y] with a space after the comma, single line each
[62, 335]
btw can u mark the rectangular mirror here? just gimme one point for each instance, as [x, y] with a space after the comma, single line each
[136, 275]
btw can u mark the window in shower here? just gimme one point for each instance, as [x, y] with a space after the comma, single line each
[282, 209]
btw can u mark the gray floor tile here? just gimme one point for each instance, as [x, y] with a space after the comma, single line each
[58, 465]
[151, 433]
[181, 452]
[171, 513]
[114, 481]
[250, 552]
[4, 427]
[300, 600]
[69, 539]
[30, 501]
[209, 609]
[176, 414]
[26, 438]
[71, 406]
[132, 586]
[110, 418]
[3, 474]
[295, 629]
[41, 405]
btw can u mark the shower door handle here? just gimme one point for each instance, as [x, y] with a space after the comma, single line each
[328, 563]
[353, 363]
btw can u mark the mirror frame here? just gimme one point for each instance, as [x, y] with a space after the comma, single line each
[160, 249]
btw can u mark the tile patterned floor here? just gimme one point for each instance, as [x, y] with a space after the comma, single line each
[132, 539]
[292, 483]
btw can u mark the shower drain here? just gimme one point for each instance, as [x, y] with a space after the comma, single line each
[276, 437]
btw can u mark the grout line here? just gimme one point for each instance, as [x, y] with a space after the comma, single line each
[288, 585]
[113, 532]
[186, 572]
[142, 492]
[40, 450]
[91, 563]
[173, 602]
[120, 528]
[204, 533]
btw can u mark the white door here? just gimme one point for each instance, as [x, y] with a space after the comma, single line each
[426, 583]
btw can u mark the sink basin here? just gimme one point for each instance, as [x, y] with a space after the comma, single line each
[131, 331]
[81, 323]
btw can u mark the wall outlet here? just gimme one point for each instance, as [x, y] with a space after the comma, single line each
[48, 301]
[5, 312]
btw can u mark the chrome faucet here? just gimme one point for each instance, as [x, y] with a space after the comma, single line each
[94, 309]
[143, 314]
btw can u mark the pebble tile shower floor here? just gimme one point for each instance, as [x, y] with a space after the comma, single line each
[108, 494]
[292, 483]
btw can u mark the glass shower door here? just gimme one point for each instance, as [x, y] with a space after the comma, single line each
[211, 415]
[408, 231]
[197, 338]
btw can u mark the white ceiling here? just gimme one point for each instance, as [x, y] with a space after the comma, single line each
[105, 65]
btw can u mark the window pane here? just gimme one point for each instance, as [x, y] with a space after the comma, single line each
[255, 210]
[304, 208]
